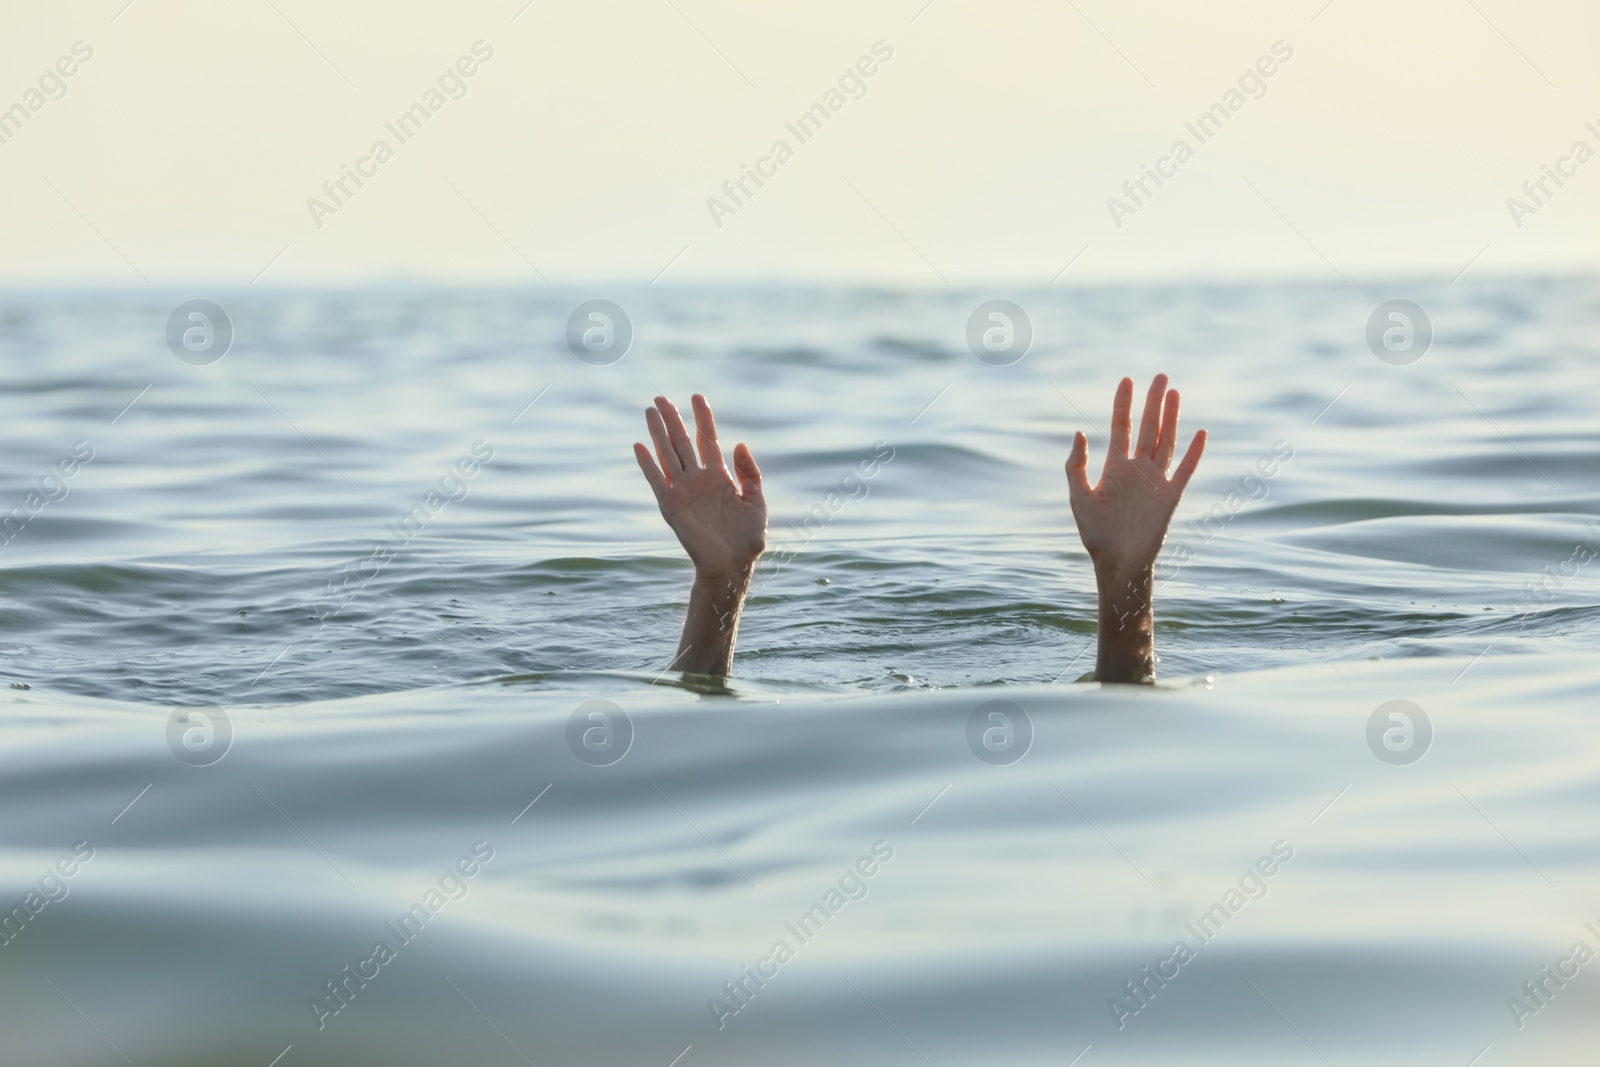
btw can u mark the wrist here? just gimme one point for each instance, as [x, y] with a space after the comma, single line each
[736, 578]
[1118, 572]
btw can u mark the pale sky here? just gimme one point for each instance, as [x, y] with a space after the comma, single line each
[983, 150]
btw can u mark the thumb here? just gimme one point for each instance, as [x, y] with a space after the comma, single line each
[744, 464]
[1077, 468]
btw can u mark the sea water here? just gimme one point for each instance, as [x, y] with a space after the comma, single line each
[319, 747]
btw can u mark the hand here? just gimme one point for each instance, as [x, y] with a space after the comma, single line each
[1124, 519]
[721, 523]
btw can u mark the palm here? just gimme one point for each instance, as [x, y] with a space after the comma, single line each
[721, 522]
[1124, 519]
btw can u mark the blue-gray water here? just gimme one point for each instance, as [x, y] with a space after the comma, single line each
[1424, 535]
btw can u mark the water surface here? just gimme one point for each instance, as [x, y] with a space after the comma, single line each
[1419, 538]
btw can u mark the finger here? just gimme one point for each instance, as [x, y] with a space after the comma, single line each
[749, 474]
[1150, 422]
[677, 433]
[1169, 431]
[1191, 460]
[1120, 428]
[671, 465]
[705, 433]
[1078, 467]
[652, 473]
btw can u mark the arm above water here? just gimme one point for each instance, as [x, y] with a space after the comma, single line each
[1123, 521]
[720, 518]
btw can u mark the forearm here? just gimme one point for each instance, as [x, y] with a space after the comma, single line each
[1126, 651]
[712, 625]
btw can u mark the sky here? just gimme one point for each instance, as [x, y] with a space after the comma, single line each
[990, 143]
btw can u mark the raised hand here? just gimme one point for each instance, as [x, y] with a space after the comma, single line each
[1123, 521]
[720, 521]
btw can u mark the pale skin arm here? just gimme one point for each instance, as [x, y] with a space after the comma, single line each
[1123, 521]
[720, 518]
